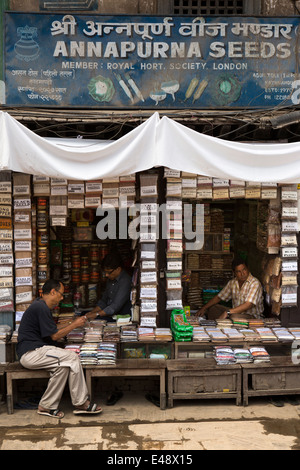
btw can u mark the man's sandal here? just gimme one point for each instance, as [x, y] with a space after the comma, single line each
[52, 413]
[92, 409]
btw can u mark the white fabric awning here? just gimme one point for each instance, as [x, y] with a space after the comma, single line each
[182, 148]
[156, 142]
[23, 151]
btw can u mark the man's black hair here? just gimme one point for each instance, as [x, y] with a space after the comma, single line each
[51, 284]
[112, 261]
[237, 261]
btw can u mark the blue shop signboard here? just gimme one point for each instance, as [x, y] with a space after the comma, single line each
[150, 62]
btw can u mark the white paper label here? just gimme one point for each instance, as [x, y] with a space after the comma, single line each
[24, 297]
[289, 266]
[148, 321]
[148, 293]
[21, 190]
[40, 179]
[22, 234]
[58, 221]
[189, 182]
[290, 212]
[58, 181]
[288, 195]
[58, 210]
[22, 217]
[218, 183]
[127, 190]
[169, 173]
[269, 193]
[147, 277]
[110, 192]
[237, 192]
[5, 199]
[149, 237]
[23, 246]
[108, 203]
[6, 282]
[174, 265]
[92, 201]
[288, 240]
[204, 181]
[23, 262]
[76, 188]
[175, 225]
[59, 190]
[290, 252]
[6, 247]
[6, 271]
[6, 234]
[148, 190]
[23, 281]
[75, 203]
[18, 316]
[147, 254]
[173, 283]
[174, 189]
[173, 304]
[6, 259]
[93, 187]
[289, 298]
[5, 211]
[204, 193]
[173, 205]
[5, 187]
[148, 307]
[149, 207]
[174, 246]
[125, 203]
[6, 294]
[22, 204]
[148, 265]
[288, 226]
[148, 219]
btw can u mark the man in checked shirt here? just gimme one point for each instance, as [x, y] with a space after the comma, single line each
[245, 292]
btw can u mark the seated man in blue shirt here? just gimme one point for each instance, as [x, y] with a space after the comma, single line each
[115, 299]
[37, 349]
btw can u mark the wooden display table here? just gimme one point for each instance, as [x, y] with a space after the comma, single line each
[188, 347]
[131, 368]
[203, 378]
[278, 377]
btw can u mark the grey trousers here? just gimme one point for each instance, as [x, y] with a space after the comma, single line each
[63, 365]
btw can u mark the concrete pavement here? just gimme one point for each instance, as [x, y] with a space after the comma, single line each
[136, 424]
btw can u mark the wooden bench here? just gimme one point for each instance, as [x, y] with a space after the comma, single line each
[123, 368]
[131, 368]
[278, 377]
[15, 371]
[203, 378]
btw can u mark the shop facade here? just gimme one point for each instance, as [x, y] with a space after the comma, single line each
[176, 227]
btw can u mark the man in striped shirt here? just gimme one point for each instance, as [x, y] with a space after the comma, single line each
[245, 292]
